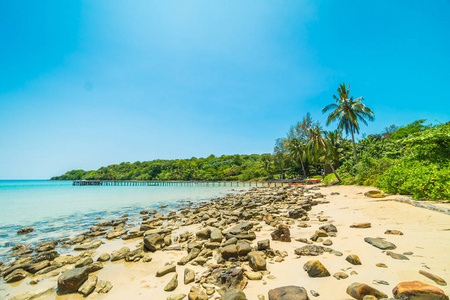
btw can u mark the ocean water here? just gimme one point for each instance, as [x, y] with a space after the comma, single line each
[57, 209]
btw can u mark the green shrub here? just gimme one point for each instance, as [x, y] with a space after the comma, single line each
[419, 179]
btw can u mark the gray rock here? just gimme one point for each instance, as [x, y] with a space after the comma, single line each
[154, 242]
[71, 280]
[314, 268]
[88, 286]
[353, 259]
[35, 294]
[256, 261]
[103, 257]
[103, 287]
[310, 250]
[216, 235]
[380, 243]
[84, 261]
[234, 294]
[396, 255]
[120, 254]
[16, 275]
[87, 246]
[263, 245]
[289, 292]
[189, 276]
[173, 283]
[166, 269]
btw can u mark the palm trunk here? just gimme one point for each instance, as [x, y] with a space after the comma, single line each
[332, 168]
[354, 145]
[303, 167]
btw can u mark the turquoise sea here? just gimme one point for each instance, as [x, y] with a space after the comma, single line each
[57, 209]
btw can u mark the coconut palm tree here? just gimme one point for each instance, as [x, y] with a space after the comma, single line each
[297, 151]
[348, 111]
[318, 145]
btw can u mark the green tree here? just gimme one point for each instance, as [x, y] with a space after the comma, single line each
[348, 111]
[318, 145]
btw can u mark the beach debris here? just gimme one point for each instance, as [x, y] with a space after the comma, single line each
[396, 255]
[418, 290]
[361, 225]
[433, 277]
[394, 232]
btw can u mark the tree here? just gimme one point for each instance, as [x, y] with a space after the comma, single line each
[297, 151]
[348, 111]
[319, 145]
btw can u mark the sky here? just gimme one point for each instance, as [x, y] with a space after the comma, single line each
[85, 84]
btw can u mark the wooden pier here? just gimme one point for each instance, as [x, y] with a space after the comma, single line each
[175, 183]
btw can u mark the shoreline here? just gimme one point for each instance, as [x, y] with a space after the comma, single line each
[421, 228]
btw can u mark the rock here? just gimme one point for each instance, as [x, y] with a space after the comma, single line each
[189, 276]
[203, 234]
[46, 270]
[154, 242]
[327, 243]
[16, 275]
[84, 261]
[34, 294]
[243, 248]
[94, 267]
[25, 230]
[134, 255]
[314, 268]
[230, 278]
[253, 275]
[359, 290]
[103, 257]
[216, 235]
[361, 225]
[193, 253]
[289, 292]
[353, 259]
[416, 290]
[38, 266]
[395, 232]
[282, 234]
[147, 258]
[71, 280]
[309, 250]
[297, 213]
[234, 295]
[229, 251]
[340, 275]
[197, 293]
[120, 254]
[256, 261]
[329, 228]
[241, 227]
[314, 293]
[48, 246]
[103, 287]
[380, 243]
[88, 286]
[396, 255]
[374, 194]
[433, 277]
[369, 297]
[381, 265]
[87, 246]
[173, 283]
[166, 270]
[176, 297]
[263, 245]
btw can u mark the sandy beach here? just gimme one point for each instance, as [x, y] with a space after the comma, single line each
[425, 242]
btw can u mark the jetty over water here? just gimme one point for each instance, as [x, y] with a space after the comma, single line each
[177, 183]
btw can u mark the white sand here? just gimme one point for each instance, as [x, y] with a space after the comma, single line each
[426, 234]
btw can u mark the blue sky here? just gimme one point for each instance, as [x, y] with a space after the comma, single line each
[90, 83]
